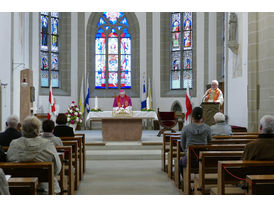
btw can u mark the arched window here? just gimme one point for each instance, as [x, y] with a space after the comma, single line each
[49, 49]
[181, 50]
[113, 52]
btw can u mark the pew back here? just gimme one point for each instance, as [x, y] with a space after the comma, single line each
[44, 171]
[231, 172]
[260, 184]
[193, 157]
[208, 163]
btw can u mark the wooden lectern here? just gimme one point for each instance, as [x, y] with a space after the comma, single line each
[209, 110]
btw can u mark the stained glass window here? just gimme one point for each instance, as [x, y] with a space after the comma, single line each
[49, 49]
[181, 50]
[113, 51]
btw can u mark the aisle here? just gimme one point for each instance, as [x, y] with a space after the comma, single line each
[125, 177]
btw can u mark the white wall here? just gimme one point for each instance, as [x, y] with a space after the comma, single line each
[237, 109]
[5, 59]
[35, 60]
[20, 55]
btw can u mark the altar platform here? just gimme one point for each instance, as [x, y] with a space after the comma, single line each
[121, 128]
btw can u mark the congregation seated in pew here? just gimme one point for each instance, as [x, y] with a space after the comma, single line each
[4, 187]
[221, 127]
[33, 148]
[62, 129]
[12, 131]
[262, 148]
[196, 132]
[48, 128]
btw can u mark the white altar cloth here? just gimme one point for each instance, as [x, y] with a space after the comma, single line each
[108, 114]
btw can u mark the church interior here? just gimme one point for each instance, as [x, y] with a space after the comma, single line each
[129, 84]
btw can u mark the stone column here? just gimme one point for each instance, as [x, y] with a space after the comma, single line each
[26, 83]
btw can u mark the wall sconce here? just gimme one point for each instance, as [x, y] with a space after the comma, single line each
[24, 83]
[4, 84]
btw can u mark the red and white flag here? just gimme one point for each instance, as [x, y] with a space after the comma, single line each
[51, 104]
[188, 103]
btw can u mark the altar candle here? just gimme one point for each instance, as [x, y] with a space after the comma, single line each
[96, 102]
[148, 103]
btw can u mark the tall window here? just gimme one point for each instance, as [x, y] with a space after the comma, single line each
[113, 51]
[181, 50]
[49, 49]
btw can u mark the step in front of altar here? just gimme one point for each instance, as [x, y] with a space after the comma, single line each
[123, 151]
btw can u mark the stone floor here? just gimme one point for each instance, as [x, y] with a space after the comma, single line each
[124, 168]
[125, 177]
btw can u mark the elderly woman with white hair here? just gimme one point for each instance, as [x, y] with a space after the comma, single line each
[221, 127]
[33, 148]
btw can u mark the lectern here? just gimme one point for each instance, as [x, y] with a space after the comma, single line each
[209, 110]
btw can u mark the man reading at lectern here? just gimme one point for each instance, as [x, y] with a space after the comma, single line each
[214, 94]
[122, 101]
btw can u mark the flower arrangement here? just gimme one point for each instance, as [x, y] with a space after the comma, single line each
[74, 115]
[147, 110]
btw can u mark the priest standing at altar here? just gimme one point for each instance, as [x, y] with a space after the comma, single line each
[122, 101]
[214, 94]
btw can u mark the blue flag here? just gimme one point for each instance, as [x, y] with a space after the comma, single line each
[87, 106]
[143, 96]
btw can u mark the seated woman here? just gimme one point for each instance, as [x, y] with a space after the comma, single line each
[33, 148]
[62, 129]
[196, 132]
[221, 127]
[4, 187]
[48, 127]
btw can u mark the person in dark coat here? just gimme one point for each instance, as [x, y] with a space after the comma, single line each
[62, 130]
[11, 132]
[262, 148]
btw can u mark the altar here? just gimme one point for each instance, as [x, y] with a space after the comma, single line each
[121, 128]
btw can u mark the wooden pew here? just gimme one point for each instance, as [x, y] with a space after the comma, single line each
[75, 162]
[240, 169]
[23, 185]
[208, 164]
[68, 171]
[172, 154]
[80, 155]
[44, 171]
[66, 160]
[180, 154]
[165, 149]
[61, 175]
[236, 137]
[260, 184]
[231, 141]
[83, 138]
[193, 157]
[246, 133]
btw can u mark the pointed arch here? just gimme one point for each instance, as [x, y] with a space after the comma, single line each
[130, 26]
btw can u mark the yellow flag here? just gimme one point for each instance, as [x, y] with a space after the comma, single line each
[81, 98]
